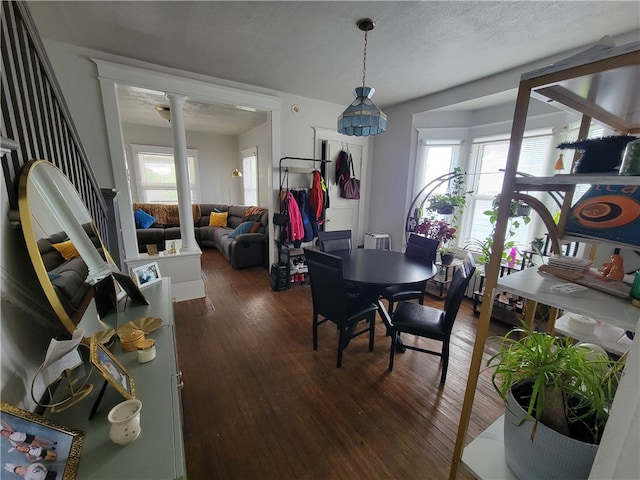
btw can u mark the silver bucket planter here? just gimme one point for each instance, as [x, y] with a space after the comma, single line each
[549, 455]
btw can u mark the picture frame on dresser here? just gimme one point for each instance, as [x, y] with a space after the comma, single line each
[112, 370]
[36, 447]
[147, 274]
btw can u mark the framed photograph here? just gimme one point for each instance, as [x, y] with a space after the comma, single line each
[172, 247]
[152, 249]
[112, 370]
[36, 447]
[130, 287]
[146, 274]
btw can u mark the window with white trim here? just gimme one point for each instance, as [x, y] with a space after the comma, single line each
[250, 175]
[490, 159]
[156, 174]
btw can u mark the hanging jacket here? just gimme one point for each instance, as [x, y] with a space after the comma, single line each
[316, 199]
[303, 205]
[296, 230]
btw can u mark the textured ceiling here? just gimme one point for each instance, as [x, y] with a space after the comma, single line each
[314, 49]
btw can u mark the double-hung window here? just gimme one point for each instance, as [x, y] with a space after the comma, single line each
[156, 174]
[435, 158]
[489, 158]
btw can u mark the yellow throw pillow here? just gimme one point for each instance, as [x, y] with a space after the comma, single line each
[218, 219]
[67, 249]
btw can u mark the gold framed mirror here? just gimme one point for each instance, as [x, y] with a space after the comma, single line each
[65, 248]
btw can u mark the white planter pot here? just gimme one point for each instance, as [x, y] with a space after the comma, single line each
[549, 455]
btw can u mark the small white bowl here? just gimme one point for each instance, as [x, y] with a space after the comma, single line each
[582, 325]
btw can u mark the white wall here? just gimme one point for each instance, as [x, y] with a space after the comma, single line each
[217, 157]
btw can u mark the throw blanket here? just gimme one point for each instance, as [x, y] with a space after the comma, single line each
[167, 214]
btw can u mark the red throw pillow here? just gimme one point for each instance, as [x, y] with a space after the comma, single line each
[255, 227]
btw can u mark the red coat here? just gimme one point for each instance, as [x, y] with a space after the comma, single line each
[316, 198]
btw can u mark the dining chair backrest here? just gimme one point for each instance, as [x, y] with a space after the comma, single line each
[328, 288]
[422, 248]
[460, 282]
[335, 240]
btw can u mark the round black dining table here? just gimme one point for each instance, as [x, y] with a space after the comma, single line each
[380, 268]
[374, 269]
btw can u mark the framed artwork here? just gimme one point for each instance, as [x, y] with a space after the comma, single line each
[130, 287]
[36, 447]
[146, 274]
[112, 370]
[152, 249]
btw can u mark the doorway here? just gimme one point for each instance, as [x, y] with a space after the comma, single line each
[113, 76]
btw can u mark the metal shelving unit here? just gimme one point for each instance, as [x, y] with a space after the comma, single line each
[601, 84]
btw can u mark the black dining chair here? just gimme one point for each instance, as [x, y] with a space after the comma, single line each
[332, 301]
[430, 322]
[423, 250]
[335, 240]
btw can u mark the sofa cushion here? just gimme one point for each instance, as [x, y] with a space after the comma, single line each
[218, 219]
[150, 236]
[172, 233]
[255, 227]
[143, 219]
[218, 233]
[67, 249]
[244, 227]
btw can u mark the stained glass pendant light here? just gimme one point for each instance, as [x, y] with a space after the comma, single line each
[362, 118]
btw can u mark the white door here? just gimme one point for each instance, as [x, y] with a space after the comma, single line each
[343, 213]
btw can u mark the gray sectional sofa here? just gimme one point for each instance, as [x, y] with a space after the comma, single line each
[244, 250]
[67, 276]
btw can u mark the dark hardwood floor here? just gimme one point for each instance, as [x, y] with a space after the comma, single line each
[259, 403]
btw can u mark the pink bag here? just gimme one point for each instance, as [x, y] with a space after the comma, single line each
[351, 188]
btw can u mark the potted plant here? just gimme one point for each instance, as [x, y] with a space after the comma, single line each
[447, 255]
[555, 390]
[517, 208]
[451, 202]
[445, 203]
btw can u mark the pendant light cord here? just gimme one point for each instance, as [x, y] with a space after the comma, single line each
[364, 62]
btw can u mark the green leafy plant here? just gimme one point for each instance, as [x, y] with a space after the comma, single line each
[561, 384]
[447, 249]
[513, 223]
[452, 202]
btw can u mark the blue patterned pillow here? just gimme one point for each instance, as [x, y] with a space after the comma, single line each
[143, 219]
[244, 227]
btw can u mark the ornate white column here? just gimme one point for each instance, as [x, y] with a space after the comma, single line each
[187, 232]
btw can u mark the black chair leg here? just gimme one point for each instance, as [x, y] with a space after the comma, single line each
[341, 344]
[392, 350]
[315, 332]
[372, 331]
[445, 361]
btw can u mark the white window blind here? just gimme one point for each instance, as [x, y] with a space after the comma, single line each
[491, 158]
[156, 174]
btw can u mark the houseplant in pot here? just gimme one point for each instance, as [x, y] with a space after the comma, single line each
[440, 230]
[557, 396]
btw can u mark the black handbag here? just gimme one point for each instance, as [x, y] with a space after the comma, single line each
[279, 219]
